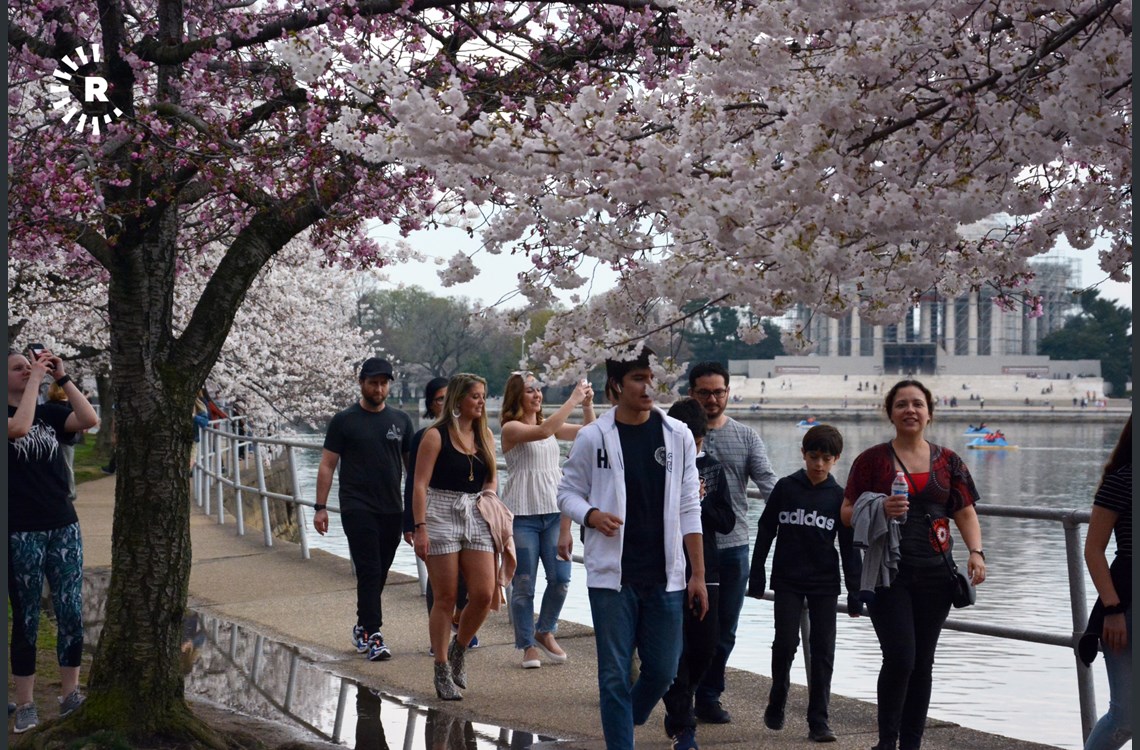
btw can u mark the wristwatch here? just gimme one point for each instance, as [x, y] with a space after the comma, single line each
[318, 507]
[979, 551]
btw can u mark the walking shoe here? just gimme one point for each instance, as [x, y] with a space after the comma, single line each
[821, 733]
[377, 649]
[773, 719]
[474, 639]
[686, 739]
[559, 656]
[445, 687]
[712, 713]
[70, 702]
[359, 638]
[26, 718]
[456, 657]
[532, 663]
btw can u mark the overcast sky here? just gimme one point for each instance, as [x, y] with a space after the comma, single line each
[498, 274]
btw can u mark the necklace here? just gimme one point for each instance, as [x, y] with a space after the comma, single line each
[470, 458]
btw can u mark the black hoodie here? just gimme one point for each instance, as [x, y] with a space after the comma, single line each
[805, 519]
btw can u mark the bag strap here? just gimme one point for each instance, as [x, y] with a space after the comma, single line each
[898, 460]
[945, 558]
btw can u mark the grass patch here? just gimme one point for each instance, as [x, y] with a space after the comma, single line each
[88, 461]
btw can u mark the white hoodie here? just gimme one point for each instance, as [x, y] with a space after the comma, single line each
[594, 477]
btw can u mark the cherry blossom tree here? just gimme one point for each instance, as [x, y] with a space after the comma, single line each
[753, 154]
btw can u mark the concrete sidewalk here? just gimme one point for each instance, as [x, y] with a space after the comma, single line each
[311, 604]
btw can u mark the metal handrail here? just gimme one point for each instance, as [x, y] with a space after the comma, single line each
[211, 475]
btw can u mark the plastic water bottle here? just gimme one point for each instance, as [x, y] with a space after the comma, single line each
[899, 487]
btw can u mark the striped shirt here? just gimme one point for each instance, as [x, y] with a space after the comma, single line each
[742, 454]
[1115, 494]
[533, 474]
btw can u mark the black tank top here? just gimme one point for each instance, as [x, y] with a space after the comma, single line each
[453, 467]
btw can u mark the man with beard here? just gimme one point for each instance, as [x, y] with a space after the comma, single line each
[370, 443]
[742, 454]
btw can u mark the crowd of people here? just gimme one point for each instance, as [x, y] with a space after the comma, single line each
[661, 500]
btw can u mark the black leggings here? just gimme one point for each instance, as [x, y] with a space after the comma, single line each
[908, 618]
[696, 655]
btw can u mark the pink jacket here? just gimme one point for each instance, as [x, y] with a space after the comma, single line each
[501, 520]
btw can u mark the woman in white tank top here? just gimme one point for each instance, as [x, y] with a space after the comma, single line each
[530, 446]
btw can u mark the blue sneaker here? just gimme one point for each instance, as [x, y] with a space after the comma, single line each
[359, 638]
[474, 642]
[377, 649]
[686, 739]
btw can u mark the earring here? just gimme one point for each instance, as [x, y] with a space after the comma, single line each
[455, 413]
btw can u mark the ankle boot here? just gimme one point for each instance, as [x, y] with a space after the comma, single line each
[444, 686]
[456, 656]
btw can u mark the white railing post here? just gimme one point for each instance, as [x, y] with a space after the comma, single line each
[268, 526]
[302, 521]
[235, 452]
[220, 485]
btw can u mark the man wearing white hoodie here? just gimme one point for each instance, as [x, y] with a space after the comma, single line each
[631, 482]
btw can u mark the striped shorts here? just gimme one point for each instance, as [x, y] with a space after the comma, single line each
[454, 523]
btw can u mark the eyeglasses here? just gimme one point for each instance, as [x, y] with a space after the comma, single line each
[439, 399]
[704, 394]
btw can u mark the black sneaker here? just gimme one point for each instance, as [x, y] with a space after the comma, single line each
[773, 719]
[821, 733]
[712, 713]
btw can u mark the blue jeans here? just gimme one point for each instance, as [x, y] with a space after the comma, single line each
[646, 617]
[536, 538]
[1115, 727]
[734, 567]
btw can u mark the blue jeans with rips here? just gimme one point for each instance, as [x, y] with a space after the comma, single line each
[645, 617]
[1115, 727]
[734, 569]
[536, 539]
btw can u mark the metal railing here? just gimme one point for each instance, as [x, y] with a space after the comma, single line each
[223, 438]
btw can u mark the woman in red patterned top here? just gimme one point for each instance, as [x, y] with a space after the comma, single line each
[909, 613]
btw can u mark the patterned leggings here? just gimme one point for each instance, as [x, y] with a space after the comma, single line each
[57, 555]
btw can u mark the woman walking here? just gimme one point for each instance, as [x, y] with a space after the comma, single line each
[1111, 617]
[541, 532]
[908, 612]
[43, 529]
[455, 469]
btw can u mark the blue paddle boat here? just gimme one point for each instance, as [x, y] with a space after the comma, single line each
[995, 441]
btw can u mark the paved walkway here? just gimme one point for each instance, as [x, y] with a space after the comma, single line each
[310, 603]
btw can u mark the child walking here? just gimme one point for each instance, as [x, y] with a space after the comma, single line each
[802, 516]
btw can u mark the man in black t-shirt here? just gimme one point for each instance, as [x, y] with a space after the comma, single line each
[631, 482]
[370, 443]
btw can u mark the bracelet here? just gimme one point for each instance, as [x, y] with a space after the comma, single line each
[416, 526]
[586, 518]
[979, 552]
[63, 381]
[318, 507]
[1114, 609]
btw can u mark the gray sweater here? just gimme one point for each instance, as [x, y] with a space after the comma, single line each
[879, 540]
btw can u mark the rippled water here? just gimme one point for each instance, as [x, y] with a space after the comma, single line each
[1018, 689]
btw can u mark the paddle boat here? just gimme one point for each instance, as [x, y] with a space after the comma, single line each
[995, 441]
[981, 429]
[807, 424]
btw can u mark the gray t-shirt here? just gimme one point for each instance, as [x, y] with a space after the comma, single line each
[742, 454]
[371, 446]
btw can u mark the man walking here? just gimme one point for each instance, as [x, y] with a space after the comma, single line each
[742, 454]
[631, 481]
[370, 442]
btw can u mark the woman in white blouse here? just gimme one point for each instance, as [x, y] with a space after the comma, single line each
[530, 446]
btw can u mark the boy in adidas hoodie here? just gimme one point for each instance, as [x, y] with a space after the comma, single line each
[802, 516]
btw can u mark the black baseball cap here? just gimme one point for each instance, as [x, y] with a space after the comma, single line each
[374, 366]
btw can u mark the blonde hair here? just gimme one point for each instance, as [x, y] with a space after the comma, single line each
[55, 392]
[457, 389]
[512, 399]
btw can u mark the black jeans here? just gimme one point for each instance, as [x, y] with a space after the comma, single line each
[821, 621]
[696, 656]
[373, 539]
[908, 618]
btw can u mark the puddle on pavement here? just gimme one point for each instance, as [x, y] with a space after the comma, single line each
[237, 667]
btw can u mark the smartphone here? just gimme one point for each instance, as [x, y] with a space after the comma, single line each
[36, 350]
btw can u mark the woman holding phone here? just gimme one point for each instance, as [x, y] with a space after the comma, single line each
[541, 532]
[43, 529]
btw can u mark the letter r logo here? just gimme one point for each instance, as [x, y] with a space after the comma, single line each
[94, 89]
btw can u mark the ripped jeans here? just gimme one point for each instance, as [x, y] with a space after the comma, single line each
[536, 538]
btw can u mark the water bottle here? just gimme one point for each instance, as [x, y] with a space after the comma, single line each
[899, 487]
